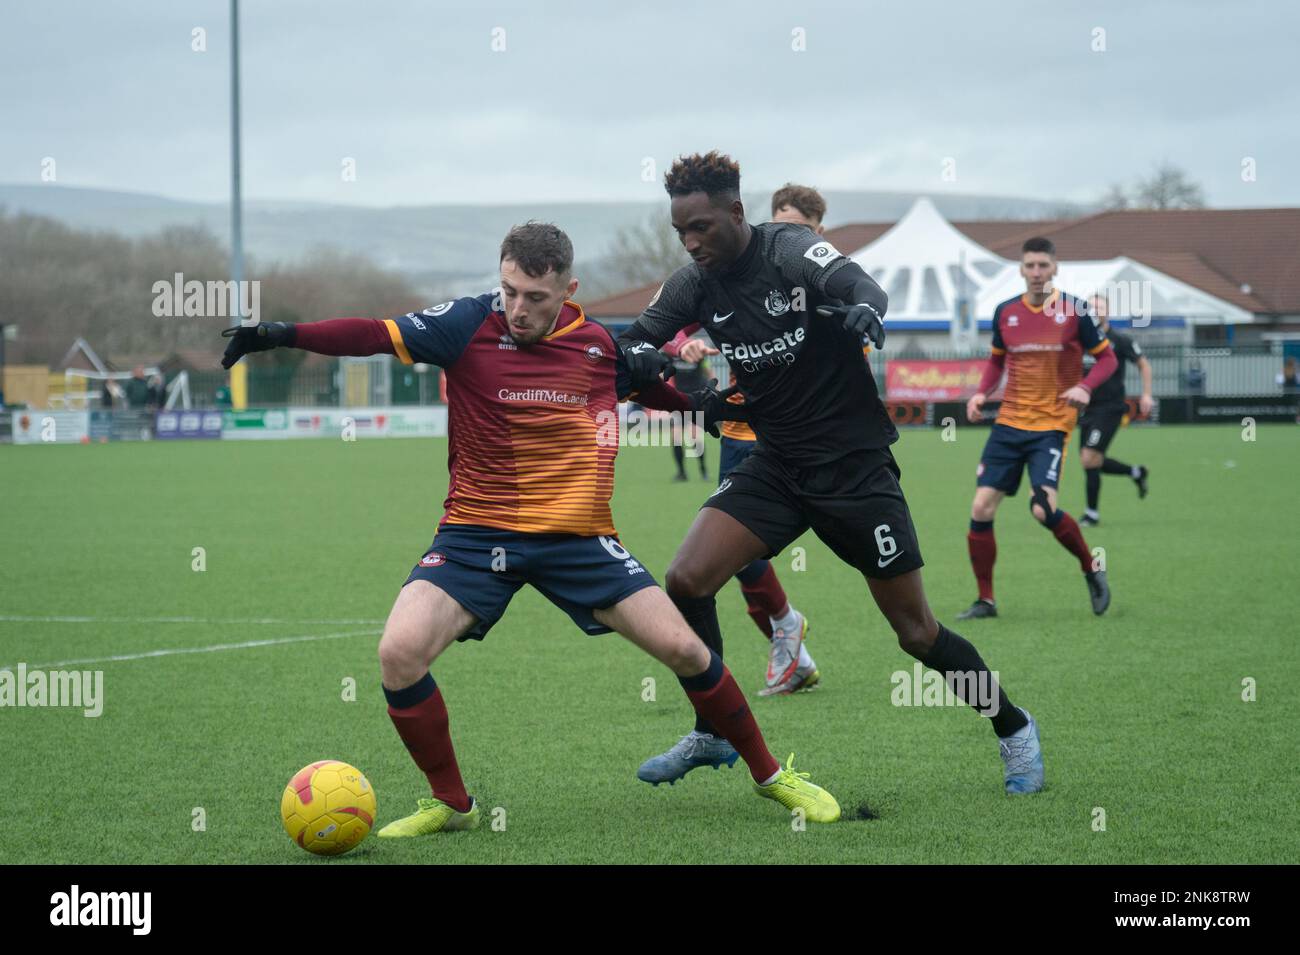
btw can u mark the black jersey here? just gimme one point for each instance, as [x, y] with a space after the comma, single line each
[810, 396]
[1109, 395]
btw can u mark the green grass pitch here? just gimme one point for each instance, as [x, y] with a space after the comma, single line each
[1141, 711]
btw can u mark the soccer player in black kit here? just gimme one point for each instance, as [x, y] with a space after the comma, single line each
[789, 312]
[1105, 413]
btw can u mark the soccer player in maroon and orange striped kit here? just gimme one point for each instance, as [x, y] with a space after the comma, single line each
[1039, 339]
[533, 389]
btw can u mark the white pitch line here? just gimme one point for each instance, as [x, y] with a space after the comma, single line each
[18, 618]
[179, 650]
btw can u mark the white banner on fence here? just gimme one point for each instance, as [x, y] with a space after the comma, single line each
[416, 422]
[51, 427]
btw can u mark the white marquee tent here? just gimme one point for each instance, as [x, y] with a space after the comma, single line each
[928, 268]
[925, 265]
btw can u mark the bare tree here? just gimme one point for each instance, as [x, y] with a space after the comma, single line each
[1168, 187]
[1114, 198]
[59, 283]
[645, 253]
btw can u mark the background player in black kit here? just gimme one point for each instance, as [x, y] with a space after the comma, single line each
[772, 297]
[1105, 413]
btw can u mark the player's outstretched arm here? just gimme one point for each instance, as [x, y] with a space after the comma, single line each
[435, 336]
[336, 336]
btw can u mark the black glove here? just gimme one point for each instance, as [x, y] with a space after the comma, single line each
[260, 337]
[713, 407]
[645, 363]
[862, 319]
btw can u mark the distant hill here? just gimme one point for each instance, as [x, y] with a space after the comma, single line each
[449, 249]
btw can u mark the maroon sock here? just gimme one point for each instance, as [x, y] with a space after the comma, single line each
[1071, 537]
[424, 729]
[761, 620]
[765, 593]
[983, 554]
[718, 699]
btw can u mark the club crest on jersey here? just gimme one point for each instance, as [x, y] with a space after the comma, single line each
[433, 559]
[594, 353]
[776, 303]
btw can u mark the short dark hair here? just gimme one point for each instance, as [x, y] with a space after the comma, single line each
[713, 174]
[806, 199]
[1038, 244]
[538, 248]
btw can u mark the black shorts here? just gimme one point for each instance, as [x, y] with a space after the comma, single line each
[855, 505]
[1097, 428]
[734, 451]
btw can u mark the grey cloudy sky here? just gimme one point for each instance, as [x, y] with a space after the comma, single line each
[585, 91]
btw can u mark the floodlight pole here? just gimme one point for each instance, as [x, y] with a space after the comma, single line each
[236, 198]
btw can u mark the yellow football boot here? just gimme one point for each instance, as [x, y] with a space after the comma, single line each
[794, 791]
[434, 815]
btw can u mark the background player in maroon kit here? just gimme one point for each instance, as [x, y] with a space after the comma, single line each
[1039, 339]
[533, 388]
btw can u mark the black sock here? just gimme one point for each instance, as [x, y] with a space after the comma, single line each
[1093, 477]
[679, 455]
[702, 614]
[953, 653]
[1111, 466]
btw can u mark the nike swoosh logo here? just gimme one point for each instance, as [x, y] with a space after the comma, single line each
[719, 319]
[885, 563]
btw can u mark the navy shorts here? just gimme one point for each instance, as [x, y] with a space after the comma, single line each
[483, 567]
[1009, 451]
[734, 451]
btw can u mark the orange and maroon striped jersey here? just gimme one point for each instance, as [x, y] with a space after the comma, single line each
[533, 429]
[1044, 346]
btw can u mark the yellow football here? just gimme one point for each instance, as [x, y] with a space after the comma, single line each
[328, 807]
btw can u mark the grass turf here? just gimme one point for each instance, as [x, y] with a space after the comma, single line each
[1141, 711]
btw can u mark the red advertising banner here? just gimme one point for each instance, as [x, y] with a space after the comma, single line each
[922, 379]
